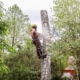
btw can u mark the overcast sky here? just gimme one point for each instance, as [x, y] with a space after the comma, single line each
[32, 8]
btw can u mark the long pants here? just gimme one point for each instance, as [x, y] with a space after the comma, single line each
[38, 48]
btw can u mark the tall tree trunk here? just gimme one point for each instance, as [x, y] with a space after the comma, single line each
[45, 64]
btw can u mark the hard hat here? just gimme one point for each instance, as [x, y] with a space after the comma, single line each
[34, 26]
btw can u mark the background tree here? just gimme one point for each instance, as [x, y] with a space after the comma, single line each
[22, 65]
[59, 58]
[3, 27]
[19, 24]
[67, 16]
[3, 68]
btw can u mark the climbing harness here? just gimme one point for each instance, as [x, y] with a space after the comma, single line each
[39, 49]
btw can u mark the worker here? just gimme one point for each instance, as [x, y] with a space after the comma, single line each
[36, 41]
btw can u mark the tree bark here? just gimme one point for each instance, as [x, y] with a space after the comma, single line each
[45, 63]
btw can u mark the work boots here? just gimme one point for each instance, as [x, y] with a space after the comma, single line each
[41, 53]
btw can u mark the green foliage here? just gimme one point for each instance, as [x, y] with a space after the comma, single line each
[3, 27]
[3, 24]
[3, 68]
[66, 16]
[66, 12]
[21, 64]
[1, 9]
[19, 24]
[55, 67]
[59, 58]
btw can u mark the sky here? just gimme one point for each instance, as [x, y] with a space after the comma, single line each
[32, 8]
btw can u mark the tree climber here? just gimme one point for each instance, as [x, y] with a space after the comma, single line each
[36, 42]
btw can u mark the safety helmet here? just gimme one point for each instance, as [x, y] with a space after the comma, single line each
[34, 26]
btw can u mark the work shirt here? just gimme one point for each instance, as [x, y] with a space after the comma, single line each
[37, 36]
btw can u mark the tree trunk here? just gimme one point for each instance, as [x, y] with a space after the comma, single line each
[45, 64]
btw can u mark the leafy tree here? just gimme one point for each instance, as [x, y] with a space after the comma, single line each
[22, 64]
[3, 27]
[67, 17]
[19, 24]
[3, 68]
[1, 9]
[59, 58]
